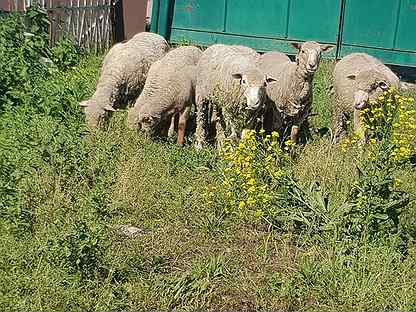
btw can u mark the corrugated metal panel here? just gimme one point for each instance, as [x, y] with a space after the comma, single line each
[383, 28]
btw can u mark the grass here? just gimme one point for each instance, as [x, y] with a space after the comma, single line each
[65, 191]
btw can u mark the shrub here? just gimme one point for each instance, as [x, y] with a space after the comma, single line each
[391, 119]
[24, 50]
[258, 186]
[252, 173]
[376, 202]
[80, 252]
[65, 54]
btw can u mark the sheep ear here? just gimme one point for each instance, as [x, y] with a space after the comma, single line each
[352, 77]
[84, 104]
[327, 48]
[237, 76]
[270, 79]
[109, 108]
[296, 45]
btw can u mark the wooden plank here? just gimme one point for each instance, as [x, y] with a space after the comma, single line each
[89, 22]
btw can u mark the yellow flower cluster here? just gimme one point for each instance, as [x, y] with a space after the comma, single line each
[404, 131]
[390, 117]
[250, 167]
[380, 113]
[350, 142]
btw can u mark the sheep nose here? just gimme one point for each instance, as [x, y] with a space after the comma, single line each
[360, 100]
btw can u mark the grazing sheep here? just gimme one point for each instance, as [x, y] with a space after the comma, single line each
[123, 75]
[230, 80]
[291, 95]
[169, 90]
[358, 78]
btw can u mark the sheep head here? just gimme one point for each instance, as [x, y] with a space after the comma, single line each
[369, 85]
[309, 55]
[143, 121]
[95, 115]
[253, 84]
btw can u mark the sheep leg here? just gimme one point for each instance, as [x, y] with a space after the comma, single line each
[200, 123]
[295, 133]
[357, 121]
[183, 119]
[220, 133]
[164, 130]
[340, 128]
[173, 125]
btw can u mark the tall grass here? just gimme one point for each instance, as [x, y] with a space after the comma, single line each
[65, 191]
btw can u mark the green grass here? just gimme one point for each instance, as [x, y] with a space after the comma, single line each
[64, 192]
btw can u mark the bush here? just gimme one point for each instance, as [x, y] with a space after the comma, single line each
[65, 54]
[81, 252]
[24, 50]
[258, 186]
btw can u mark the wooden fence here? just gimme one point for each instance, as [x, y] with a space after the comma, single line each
[89, 22]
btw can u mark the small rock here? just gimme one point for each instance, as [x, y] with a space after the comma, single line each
[130, 231]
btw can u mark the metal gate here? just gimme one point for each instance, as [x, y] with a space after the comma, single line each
[383, 28]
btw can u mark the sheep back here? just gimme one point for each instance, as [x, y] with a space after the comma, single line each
[271, 62]
[170, 85]
[215, 69]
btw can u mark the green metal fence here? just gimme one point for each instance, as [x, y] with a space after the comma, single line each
[383, 28]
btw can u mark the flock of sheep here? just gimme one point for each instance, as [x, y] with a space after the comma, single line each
[232, 87]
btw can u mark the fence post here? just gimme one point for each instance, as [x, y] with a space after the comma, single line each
[5, 5]
[134, 17]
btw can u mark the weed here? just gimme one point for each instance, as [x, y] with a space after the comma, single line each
[196, 287]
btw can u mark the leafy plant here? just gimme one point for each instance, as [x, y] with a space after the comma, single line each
[252, 173]
[197, 286]
[377, 203]
[24, 49]
[65, 54]
[81, 251]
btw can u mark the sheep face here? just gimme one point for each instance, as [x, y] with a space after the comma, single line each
[309, 55]
[253, 84]
[369, 85]
[95, 116]
[145, 122]
[148, 123]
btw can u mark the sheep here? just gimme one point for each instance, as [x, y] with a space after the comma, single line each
[271, 61]
[123, 75]
[358, 78]
[169, 90]
[230, 80]
[291, 96]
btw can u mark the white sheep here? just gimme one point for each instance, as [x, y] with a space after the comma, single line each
[169, 91]
[123, 75]
[291, 95]
[230, 80]
[358, 78]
